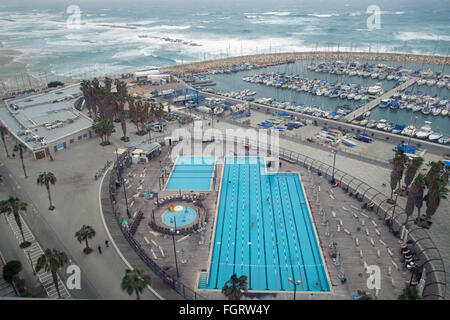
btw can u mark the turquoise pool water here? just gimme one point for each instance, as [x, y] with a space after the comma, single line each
[191, 173]
[182, 218]
[264, 231]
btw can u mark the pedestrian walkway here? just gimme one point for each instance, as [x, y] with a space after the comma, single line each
[33, 253]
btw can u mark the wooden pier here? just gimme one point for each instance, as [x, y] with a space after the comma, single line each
[372, 104]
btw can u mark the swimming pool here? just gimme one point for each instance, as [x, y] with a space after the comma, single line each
[264, 231]
[182, 217]
[191, 173]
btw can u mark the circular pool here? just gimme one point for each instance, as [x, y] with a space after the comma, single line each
[181, 215]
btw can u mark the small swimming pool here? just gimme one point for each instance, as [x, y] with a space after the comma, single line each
[181, 217]
[191, 173]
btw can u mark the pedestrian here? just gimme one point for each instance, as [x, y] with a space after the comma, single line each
[107, 243]
[14, 155]
[99, 249]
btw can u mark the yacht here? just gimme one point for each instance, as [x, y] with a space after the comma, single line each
[444, 140]
[436, 111]
[384, 103]
[424, 131]
[426, 110]
[421, 82]
[381, 124]
[416, 108]
[444, 112]
[435, 136]
[409, 131]
[431, 82]
[372, 124]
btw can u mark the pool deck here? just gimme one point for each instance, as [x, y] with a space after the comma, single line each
[195, 249]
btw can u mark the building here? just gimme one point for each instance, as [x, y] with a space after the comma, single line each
[152, 76]
[48, 122]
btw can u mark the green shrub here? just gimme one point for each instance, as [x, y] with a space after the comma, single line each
[55, 84]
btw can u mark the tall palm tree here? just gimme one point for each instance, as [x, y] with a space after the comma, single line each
[85, 233]
[51, 261]
[135, 280]
[14, 206]
[122, 115]
[434, 196]
[393, 182]
[85, 87]
[4, 142]
[417, 189]
[21, 159]
[235, 287]
[45, 179]
[435, 171]
[399, 163]
[411, 169]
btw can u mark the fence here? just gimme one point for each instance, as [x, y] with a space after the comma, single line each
[427, 255]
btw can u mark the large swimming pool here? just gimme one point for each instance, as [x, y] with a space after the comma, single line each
[191, 173]
[264, 230]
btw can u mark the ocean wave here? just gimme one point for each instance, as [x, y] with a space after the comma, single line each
[325, 15]
[278, 13]
[392, 12]
[354, 14]
[407, 35]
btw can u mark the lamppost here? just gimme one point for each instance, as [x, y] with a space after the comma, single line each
[174, 248]
[122, 181]
[295, 283]
[29, 258]
[393, 210]
[334, 152]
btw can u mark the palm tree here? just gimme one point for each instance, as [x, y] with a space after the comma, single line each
[103, 128]
[436, 169]
[51, 261]
[45, 179]
[394, 181]
[399, 163]
[122, 115]
[85, 233]
[21, 159]
[135, 280]
[411, 169]
[235, 287]
[4, 142]
[417, 189]
[434, 196]
[409, 293]
[14, 206]
[85, 87]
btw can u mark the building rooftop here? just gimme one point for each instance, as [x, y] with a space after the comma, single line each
[44, 118]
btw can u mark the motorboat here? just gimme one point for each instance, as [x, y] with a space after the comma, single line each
[381, 124]
[372, 124]
[384, 103]
[431, 82]
[416, 108]
[444, 140]
[436, 111]
[398, 128]
[409, 131]
[426, 110]
[424, 131]
[435, 136]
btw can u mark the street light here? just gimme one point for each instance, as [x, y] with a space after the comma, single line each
[174, 248]
[393, 210]
[295, 283]
[334, 152]
[29, 257]
[122, 181]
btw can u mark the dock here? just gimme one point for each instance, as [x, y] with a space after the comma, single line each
[372, 104]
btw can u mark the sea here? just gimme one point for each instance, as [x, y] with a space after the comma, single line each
[59, 39]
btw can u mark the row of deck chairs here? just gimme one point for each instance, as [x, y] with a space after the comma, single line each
[182, 197]
[181, 231]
